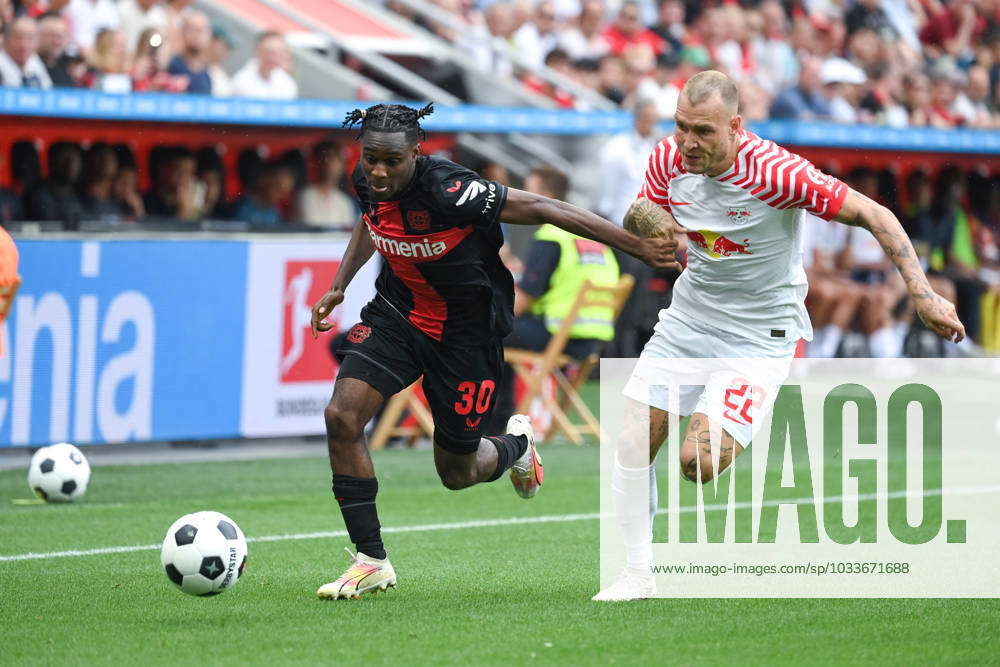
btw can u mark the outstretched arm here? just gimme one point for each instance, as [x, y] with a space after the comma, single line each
[935, 311]
[525, 208]
[359, 250]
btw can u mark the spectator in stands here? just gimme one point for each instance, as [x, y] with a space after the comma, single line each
[917, 98]
[264, 76]
[754, 102]
[611, 76]
[628, 31]
[176, 10]
[624, 159]
[110, 70]
[210, 175]
[671, 24]
[777, 66]
[222, 85]
[559, 61]
[55, 198]
[192, 62]
[324, 202]
[881, 104]
[100, 169]
[581, 38]
[537, 37]
[176, 191]
[126, 192]
[973, 105]
[86, 19]
[492, 48]
[884, 293]
[951, 28]
[557, 266]
[262, 207]
[53, 35]
[20, 66]
[138, 15]
[805, 101]
[150, 63]
[945, 82]
[661, 86]
[842, 86]
[833, 299]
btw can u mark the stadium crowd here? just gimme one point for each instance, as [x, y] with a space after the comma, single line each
[902, 63]
[134, 45]
[101, 183]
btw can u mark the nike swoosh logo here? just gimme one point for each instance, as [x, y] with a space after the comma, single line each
[679, 203]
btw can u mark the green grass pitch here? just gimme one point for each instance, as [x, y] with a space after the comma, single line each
[509, 594]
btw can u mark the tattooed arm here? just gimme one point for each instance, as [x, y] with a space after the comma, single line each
[935, 311]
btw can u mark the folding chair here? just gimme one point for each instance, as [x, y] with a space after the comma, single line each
[388, 426]
[533, 367]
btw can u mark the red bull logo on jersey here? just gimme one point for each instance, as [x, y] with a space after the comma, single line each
[717, 245]
[738, 215]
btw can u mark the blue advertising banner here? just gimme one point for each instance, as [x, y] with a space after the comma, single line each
[172, 108]
[132, 340]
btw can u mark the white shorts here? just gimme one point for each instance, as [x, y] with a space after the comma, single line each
[730, 378]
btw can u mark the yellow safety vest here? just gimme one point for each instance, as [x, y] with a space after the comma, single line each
[579, 260]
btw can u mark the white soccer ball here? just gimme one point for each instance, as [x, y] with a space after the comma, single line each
[204, 553]
[59, 473]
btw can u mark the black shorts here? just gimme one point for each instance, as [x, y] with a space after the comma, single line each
[460, 383]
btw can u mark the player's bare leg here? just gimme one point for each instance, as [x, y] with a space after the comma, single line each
[633, 480]
[514, 451]
[697, 459]
[354, 403]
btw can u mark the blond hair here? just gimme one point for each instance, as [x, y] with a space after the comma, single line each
[704, 85]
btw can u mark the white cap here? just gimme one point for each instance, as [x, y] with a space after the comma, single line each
[838, 70]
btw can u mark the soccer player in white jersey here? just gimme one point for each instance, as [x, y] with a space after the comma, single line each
[740, 199]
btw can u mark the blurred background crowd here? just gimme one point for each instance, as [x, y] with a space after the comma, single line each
[902, 63]
[134, 45]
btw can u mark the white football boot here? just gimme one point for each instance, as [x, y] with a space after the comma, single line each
[527, 472]
[365, 574]
[631, 586]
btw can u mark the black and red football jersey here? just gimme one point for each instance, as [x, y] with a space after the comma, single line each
[440, 241]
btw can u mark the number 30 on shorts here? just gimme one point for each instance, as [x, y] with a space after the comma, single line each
[475, 396]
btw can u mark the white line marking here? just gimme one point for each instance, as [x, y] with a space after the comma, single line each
[489, 523]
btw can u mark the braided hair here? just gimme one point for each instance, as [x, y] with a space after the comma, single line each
[390, 118]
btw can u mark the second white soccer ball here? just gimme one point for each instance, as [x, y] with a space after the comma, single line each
[59, 473]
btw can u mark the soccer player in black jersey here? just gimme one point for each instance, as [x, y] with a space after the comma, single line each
[444, 302]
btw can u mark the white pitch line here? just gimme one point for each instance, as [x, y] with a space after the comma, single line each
[488, 523]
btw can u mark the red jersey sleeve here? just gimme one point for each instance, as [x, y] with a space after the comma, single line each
[819, 193]
[656, 184]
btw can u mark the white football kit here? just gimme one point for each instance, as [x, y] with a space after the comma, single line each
[742, 293]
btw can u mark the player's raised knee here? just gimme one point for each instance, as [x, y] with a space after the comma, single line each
[455, 479]
[342, 423]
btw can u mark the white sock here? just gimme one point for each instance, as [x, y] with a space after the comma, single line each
[653, 498]
[631, 494]
[883, 343]
[816, 345]
[832, 335]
